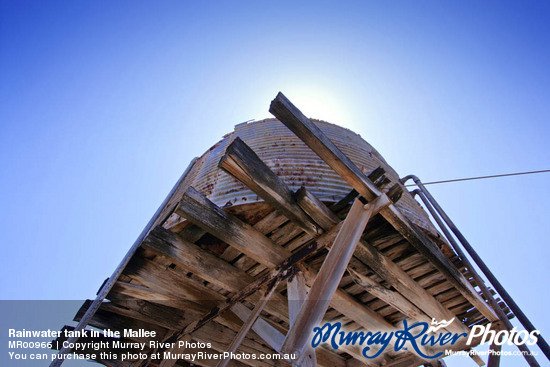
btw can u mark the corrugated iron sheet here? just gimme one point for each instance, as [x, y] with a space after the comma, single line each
[296, 164]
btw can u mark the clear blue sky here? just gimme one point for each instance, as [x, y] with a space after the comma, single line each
[103, 104]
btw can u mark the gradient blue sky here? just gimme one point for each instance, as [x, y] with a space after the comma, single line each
[103, 105]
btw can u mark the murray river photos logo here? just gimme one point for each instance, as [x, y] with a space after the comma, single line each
[428, 341]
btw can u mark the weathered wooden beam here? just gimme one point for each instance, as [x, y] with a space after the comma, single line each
[327, 280]
[281, 272]
[242, 163]
[477, 359]
[152, 295]
[172, 283]
[322, 241]
[264, 329]
[204, 361]
[310, 204]
[194, 259]
[494, 356]
[249, 322]
[164, 316]
[313, 137]
[297, 294]
[104, 319]
[319, 213]
[348, 306]
[384, 267]
[326, 219]
[178, 349]
[220, 338]
[85, 341]
[204, 264]
[275, 338]
[202, 212]
[392, 298]
[404, 284]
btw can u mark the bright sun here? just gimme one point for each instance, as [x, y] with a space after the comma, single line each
[321, 102]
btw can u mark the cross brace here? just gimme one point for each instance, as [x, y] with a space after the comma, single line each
[331, 272]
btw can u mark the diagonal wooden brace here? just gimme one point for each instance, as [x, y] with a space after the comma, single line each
[313, 137]
[297, 294]
[329, 276]
[248, 323]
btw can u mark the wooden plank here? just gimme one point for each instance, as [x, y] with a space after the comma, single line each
[164, 316]
[345, 201]
[144, 293]
[281, 272]
[173, 283]
[86, 342]
[220, 338]
[179, 349]
[270, 222]
[310, 134]
[194, 259]
[404, 284]
[202, 212]
[285, 233]
[494, 357]
[266, 225]
[364, 316]
[477, 359]
[327, 220]
[392, 298]
[104, 319]
[310, 204]
[264, 329]
[204, 361]
[297, 294]
[239, 160]
[204, 264]
[298, 242]
[275, 338]
[248, 323]
[328, 278]
[383, 266]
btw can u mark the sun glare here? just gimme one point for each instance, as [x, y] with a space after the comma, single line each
[321, 103]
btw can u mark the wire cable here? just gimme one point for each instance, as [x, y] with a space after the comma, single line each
[480, 177]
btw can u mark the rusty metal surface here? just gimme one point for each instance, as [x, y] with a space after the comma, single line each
[296, 164]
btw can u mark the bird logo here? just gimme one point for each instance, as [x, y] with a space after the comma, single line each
[436, 325]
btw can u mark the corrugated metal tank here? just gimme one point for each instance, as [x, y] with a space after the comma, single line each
[296, 164]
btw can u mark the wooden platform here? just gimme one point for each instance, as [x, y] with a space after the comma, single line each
[198, 255]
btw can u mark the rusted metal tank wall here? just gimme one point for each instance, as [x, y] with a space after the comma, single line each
[295, 163]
